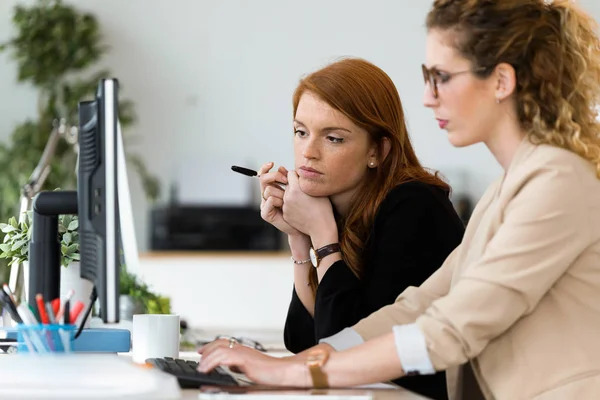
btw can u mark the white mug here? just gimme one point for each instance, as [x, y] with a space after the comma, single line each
[155, 336]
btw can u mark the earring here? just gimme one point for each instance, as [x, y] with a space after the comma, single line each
[497, 100]
[371, 164]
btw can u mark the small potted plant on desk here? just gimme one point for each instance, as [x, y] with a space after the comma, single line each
[15, 248]
[136, 297]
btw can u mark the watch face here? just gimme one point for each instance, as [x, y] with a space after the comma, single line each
[313, 257]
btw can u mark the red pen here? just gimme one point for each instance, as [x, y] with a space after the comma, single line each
[55, 305]
[77, 307]
[39, 299]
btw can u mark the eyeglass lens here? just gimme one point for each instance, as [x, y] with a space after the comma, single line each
[429, 78]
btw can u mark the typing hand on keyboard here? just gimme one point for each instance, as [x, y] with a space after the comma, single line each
[187, 375]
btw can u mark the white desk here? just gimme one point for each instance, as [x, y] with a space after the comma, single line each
[103, 376]
[375, 394]
[378, 392]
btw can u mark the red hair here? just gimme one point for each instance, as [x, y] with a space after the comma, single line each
[368, 97]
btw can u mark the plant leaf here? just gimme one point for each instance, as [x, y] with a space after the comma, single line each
[67, 238]
[18, 244]
[8, 228]
[73, 225]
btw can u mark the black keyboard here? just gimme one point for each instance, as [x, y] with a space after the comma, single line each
[187, 375]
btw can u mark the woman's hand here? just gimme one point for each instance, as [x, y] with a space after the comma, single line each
[272, 198]
[258, 367]
[311, 215]
[212, 346]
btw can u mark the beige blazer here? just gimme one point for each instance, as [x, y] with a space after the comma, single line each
[518, 301]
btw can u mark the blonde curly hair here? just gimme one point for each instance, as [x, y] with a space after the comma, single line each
[555, 51]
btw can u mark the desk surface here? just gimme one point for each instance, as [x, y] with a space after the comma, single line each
[377, 392]
[107, 376]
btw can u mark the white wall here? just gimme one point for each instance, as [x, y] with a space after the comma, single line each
[212, 81]
[224, 292]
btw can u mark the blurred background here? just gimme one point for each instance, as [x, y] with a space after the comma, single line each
[207, 84]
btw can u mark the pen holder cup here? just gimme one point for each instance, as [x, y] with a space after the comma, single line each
[45, 339]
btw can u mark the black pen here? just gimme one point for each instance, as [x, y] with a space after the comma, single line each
[245, 171]
[252, 173]
[66, 319]
[10, 306]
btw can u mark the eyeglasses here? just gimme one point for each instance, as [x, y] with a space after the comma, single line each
[241, 340]
[433, 76]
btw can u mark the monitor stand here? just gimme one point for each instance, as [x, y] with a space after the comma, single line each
[45, 270]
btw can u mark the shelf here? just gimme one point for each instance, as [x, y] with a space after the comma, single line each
[213, 254]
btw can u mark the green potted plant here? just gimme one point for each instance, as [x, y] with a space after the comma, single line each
[15, 245]
[15, 248]
[56, 48]
[134, 293]
[137, 298]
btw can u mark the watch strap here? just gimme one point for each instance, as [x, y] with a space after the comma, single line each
[319, 379]
[328, 249]
[316, 359]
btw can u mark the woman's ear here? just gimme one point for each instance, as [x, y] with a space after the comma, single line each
[377, 155]
[506, 81]
[386, 146]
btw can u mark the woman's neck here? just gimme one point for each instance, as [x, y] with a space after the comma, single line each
[505, 141]
[341, 202]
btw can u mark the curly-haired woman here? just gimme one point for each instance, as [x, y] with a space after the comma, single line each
[514, 312]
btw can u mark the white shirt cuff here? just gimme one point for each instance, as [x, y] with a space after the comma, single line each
[344, 339]
[412, 350]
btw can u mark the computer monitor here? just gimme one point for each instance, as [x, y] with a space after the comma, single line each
[106, 232]
[103, 205]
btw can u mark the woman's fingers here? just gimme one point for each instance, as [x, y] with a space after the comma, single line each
[276, 202]
[277, 176]
[283, 171]
[273, 191]
[210, 347]
[212, 360]
[266, 167]
[271, 208]
[273, 178]
[232, 358]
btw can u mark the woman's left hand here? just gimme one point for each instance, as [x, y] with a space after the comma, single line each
[258, 367]
[310, 215]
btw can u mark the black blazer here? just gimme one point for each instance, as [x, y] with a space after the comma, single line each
[415, 229]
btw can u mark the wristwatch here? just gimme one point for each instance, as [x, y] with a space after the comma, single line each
[315, 360]
[317, 255]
